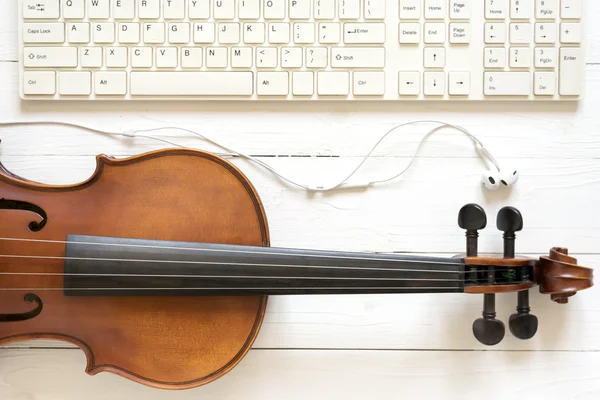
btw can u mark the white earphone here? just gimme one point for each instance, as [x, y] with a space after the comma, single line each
[495, 176]
[492, 179]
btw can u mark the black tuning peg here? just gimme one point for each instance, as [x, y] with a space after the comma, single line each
[509, 221]
[522, 324]
[489, 330]
[472, 218]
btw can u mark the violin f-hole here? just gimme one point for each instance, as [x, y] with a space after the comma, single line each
[29, 298]
[34, 226]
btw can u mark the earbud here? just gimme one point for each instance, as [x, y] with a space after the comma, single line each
[494, 177]
[491, 179]
[509, 177]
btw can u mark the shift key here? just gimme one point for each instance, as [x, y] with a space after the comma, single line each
[358, 57]
[44, 57]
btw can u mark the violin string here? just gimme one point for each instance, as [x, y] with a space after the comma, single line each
[273, 251]
[389, 288]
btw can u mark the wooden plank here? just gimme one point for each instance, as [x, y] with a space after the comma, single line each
[298, 374]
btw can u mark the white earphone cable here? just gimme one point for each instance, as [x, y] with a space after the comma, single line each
[141, 133]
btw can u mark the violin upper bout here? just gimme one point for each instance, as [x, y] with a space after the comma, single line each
[560, 276]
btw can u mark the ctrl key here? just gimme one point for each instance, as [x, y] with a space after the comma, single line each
[39, 82]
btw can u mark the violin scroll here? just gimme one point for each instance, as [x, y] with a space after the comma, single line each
[559, 275]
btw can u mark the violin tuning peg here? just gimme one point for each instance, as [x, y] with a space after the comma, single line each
[522, 324]
[489, 330]
[509, 221]
[471, 217]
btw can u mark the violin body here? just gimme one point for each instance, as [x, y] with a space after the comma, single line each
[163, 341]
[158, 267]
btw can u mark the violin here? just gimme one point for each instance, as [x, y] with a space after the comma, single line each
[158, 267]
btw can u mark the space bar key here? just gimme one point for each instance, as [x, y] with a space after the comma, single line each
[192, 83]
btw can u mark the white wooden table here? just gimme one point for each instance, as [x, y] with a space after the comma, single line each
[357, 347]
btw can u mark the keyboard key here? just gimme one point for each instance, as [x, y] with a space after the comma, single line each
[41, 9]
[348, 9]
[409, 32]
[496, 9]
[544, 84]
[459, 83]
[358, 57]
[545, 32]
[266, 57]
[333, 83]
[520, 33]
[368, 83]
[304, 32]
[91, 57]
[410, 9]
[204, 32]
[78, 32]
[291, 57]
[192, 83]
[409, 83]
[324, 9]
[546, 9]
[254, 32]
[460, 32]
[435, 9]
[460, 9]
[570, 32]
[374, 9]
[191, 57]
[435, 32]
[279, 32]
[545, 57]
[200, 9]
[73, 9]
[241, 57]
[166, 57]
[123, 9]
[98, 9]
[75, 83]
[507, 83]
[116, 57]
[316, 57]
[272, 83]
[495, 57]
[329, 32]
[495, 32]
[44, 33]
[571, 69]
[150, 9]
[37, 57]
[216, 57]
[521, 9]
[110, 83]
[434, 83]
[363, 33]
[129, 32]
[229, 33]
[434, 57]
[303, 83]
[39, 82]
[571, 9]
[273, 9]
[104, 32]
[179, 32]
[224, 9]
[520, 57]
[175, 9]
[141, 57]
[299, 9]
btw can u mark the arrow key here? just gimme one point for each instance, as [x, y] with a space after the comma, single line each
[434, 83]
[459, 83]
[409, 83]
[434, 57]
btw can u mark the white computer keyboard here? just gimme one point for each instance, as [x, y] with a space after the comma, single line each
[302, 49]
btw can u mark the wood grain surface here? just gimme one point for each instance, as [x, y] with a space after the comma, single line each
[356, 346]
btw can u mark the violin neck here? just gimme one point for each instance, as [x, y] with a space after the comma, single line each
[105, 266]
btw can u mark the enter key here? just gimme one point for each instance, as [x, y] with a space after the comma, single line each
[364, 33]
